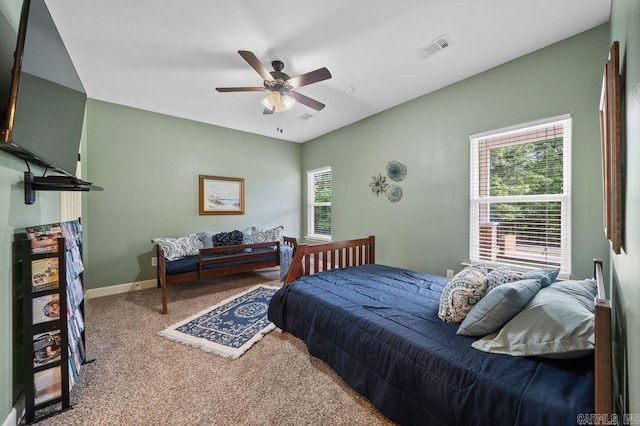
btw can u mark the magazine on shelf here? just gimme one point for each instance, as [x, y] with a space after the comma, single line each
[75, 294]
[45, 274]
[74, 263]
[47, 348]
[72, 233]
[47, 385]
[43, 238]
[46, 308]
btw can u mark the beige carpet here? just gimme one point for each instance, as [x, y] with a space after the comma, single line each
[140, 378]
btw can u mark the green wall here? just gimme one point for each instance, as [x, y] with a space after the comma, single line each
[428, 230]
[625, 28]
[149, 165]
[15, 215]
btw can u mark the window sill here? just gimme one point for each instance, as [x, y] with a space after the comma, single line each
[517, 268]
[317, 238]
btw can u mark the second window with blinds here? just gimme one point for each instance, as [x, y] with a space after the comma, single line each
[521, 195]
[319, 203]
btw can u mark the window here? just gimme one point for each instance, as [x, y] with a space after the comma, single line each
[521, 195]
[319, 205]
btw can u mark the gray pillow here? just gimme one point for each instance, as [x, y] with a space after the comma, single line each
[557, 323]
[497, 307]
[462, 292]
[207, 238]
[546, 276]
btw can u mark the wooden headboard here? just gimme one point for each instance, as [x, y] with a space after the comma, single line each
[309, 259]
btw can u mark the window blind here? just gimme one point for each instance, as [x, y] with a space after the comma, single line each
[521, 196]
[319, 205]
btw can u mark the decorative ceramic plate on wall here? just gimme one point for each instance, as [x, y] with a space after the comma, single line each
[394, 193]
[396, 171]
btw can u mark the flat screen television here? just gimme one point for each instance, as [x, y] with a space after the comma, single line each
[42, 100]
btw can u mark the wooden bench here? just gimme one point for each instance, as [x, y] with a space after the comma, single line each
[217, 262]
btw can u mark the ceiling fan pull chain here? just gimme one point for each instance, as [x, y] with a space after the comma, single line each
[279, 124]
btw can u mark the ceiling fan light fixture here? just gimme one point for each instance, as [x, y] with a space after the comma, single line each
[288, 102]
[278, 102]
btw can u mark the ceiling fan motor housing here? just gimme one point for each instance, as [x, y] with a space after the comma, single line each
[278, 85]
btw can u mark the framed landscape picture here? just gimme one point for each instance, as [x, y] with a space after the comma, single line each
[611, 141]
[221, 195]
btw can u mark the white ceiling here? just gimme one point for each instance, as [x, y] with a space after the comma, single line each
[168, 56]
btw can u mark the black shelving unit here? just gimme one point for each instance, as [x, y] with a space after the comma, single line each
[54, 343]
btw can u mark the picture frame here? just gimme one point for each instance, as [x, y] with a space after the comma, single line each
[221, 195]
[611, 145]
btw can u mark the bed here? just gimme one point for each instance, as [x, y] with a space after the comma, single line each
[377, 327]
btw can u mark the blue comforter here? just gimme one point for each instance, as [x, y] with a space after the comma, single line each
[378, 328]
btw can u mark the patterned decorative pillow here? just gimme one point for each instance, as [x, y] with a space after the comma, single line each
[260, 235]
[192, 244]
[177, 248]
[501, 275]
[463, 291]
[232, 238]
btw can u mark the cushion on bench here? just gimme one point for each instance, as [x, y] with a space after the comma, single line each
[190, 263]
[180, 266]
[269, 255]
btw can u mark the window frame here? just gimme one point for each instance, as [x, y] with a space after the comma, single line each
[563, 198]
[311, 204]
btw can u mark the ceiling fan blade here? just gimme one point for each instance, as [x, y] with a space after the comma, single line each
[269, 110]
[240, 89]
[310, 77]
[256, 64]
[305, 100]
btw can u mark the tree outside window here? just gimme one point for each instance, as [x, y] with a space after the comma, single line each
[319, 205]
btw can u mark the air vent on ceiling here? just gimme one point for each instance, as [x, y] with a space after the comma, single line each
[305, 117]
[433, 47]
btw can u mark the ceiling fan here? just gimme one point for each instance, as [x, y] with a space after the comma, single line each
[280, 86]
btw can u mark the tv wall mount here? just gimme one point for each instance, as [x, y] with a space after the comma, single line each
[53, 183]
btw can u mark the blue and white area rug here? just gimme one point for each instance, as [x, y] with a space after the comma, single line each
[229, 328]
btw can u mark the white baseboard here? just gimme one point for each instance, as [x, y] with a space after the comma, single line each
[120, 288]
[16, 414]
[12, 418]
